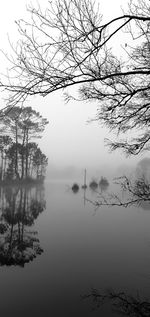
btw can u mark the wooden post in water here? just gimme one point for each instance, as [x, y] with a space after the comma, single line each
[84, 185]
[85, 178]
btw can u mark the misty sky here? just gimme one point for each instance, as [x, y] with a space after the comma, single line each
[68, 140]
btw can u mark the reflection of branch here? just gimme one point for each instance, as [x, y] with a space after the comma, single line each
[124, 303]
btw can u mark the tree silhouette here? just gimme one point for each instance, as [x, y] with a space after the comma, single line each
[70, 44]
[18, 152]
[5, 143]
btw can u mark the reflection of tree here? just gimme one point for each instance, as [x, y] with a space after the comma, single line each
[21, 206]
[123, 303]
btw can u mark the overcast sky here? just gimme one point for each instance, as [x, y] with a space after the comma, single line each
[68, 140]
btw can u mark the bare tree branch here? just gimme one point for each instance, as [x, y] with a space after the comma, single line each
[69, 45]
[132, 193]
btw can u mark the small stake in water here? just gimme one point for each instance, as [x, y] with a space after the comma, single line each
[84, 186]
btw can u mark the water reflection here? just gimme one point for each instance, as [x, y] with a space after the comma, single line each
[20, 207]
[145, 205]
[121, 302]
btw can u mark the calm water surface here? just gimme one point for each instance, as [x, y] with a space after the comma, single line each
[55, 248]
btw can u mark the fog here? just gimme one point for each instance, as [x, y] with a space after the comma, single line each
[56, 245]
[70, 142]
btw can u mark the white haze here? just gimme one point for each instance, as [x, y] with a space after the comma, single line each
[69, 142]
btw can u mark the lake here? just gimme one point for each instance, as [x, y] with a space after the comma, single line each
[56, 248]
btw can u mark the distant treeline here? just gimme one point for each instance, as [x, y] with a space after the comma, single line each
[20, 158]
